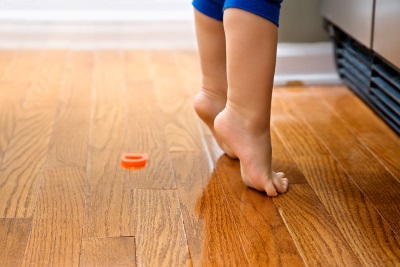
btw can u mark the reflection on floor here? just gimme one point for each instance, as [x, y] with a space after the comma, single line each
[67, 116]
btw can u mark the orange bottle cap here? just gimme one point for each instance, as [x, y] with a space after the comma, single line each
[133, 160]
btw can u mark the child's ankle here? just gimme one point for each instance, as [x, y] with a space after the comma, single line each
[252, 121]
[214, 93]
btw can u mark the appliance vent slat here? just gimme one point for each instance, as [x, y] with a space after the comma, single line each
[369, 76]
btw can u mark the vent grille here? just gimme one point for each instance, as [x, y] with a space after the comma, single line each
[372, 78]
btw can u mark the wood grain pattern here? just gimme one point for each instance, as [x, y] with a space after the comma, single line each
[25, 154]
[373, 132]
[370, 237]
[138, 66]
[145, 125]
[56, 234]
[11, 103]
[378, 185]
[108, 189]
[23, 67]
[115, 251]
[263, 234]
[10, 109]
[181, 128]
[313, 230]
[340, 196]
[146, 135]
[283, 161]
[160, 235]
[189, 71]
[284, 121]
[5, 59]
[58, 220]
[66, 117]
[14, 234]
[69, 142]
[211, 233]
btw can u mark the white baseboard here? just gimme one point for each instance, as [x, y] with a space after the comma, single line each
[185, 14]
[307, 79]
[139, 34]
[308, 63]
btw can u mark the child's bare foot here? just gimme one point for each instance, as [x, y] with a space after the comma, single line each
[252, 144]
[207, 105]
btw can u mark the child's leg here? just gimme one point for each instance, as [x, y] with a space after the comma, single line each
[211, 99]
[244, 125]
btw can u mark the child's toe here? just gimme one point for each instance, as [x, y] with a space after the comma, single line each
[270, 189]
[281, 184]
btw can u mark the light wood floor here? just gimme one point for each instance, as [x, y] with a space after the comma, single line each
[67, 116]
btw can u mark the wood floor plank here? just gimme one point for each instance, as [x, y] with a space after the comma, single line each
[10, 109]
[146, 135]
[373, 132]
[263, 233]
[13, 90]
[190, 76]
[189, 71]
[160, 235]
[213, 148]
[373, 244]
[306, 144]
[5, 58]
[25, 154]
[138, 66]
[14, 234]
[114, 251]
[314, 232]
[211, 232]
[108, 188]
[282, 161]
[66, 117]
[56, 234]
[108, 209]
[181, 127]
[23, 67]
[145, 125]
[58, 219]
[69, 143]
[368, 234]
[373, 179]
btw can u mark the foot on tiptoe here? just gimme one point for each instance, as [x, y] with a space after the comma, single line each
[208, 105]
[250, 140]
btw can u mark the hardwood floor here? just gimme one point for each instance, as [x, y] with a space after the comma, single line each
[66, 117]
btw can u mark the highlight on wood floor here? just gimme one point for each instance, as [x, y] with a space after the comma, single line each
[66, 117]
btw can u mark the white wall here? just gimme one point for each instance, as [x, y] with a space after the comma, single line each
[96, 10]
[155, 24]
[94, 4]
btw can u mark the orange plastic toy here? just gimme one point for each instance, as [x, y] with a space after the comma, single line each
[133, 160]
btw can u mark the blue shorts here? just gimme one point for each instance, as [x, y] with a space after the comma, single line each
[268, 9]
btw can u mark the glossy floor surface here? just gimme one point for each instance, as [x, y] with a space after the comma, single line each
[67, 116]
